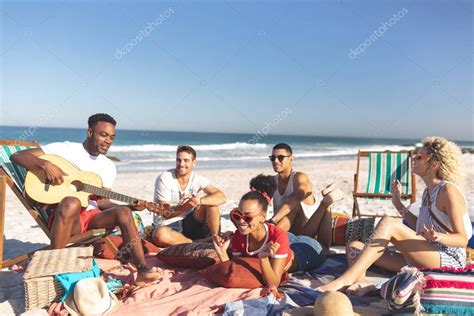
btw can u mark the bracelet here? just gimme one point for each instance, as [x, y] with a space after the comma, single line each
[404, 211]
[271, 221]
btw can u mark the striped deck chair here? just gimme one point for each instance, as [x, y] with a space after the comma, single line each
[14, 176]
[384, 167]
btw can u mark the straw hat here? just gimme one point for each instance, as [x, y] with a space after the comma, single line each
[333, 303]
[90, 297]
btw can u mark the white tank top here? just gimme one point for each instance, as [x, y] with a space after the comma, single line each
[425, 218]
[279, 198]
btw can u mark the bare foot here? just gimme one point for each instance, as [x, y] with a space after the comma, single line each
[335, 285]
[148, 276]
[360, 288]
[328, 189]
[334, 196]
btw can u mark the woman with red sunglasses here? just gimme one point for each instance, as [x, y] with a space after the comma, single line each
[255, 237]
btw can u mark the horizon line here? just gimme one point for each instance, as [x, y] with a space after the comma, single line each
[241, 133]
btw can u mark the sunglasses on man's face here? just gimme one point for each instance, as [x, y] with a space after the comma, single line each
[236, 216]
[279, 157]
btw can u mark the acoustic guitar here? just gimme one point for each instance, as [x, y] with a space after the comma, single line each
[77, 183]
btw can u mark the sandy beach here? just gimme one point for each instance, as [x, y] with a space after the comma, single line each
[22, 234]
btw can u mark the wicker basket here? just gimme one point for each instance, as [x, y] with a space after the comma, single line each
[41, 288]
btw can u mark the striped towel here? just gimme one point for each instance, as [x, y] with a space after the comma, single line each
[449, 291]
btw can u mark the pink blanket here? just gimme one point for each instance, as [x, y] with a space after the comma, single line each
[182, 291]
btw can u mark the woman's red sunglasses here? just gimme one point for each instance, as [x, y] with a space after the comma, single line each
[236, 216]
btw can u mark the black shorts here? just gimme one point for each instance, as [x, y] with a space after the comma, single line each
[194, 229]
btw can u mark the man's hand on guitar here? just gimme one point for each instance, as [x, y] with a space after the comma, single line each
[139, 205]
[160, 209]
[54, 174]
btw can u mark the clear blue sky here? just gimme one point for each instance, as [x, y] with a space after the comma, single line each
[232, 66]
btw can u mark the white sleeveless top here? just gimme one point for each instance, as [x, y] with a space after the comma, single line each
[425, 218]
[279, 198]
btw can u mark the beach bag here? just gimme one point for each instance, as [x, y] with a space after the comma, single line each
[346, 229]
[402, 292]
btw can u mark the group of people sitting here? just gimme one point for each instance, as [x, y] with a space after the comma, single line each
[298, 235]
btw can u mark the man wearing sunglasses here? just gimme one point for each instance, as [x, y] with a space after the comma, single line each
[194, 216]
[294, 204]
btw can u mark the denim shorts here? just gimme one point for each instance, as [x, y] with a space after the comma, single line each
[193, 228]
[308, 252]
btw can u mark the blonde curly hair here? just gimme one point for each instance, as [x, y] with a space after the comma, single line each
[447, 156]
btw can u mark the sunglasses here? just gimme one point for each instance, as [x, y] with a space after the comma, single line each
[279, 157]
[236, 216]
[417, 157]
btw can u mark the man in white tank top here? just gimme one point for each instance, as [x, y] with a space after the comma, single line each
[294, 205]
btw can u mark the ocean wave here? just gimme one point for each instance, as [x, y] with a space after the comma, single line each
[172, 148]
[259, 156]
[347, 151]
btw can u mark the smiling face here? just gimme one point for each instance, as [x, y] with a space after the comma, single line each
[285, 164]
[101, 136]
[253, 209]
[184, 163]
[421, 162]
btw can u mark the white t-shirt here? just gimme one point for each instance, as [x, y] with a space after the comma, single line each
[77, 155]
[167, 189]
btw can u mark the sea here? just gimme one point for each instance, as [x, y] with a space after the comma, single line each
[138, 150]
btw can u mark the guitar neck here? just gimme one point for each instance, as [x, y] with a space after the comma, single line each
[108, 194]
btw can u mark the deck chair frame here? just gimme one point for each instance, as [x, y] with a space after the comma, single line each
[6, 180]
[356, 194]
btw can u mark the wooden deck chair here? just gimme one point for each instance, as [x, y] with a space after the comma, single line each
[14, 176]
[384, 167]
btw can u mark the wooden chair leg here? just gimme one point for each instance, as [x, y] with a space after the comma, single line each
[3, 185]
[355, 208]
[111, 245]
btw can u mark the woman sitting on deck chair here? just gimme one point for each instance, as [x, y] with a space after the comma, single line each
[439, 234]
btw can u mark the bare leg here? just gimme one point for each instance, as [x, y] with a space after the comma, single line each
[390, 260]
[122, 216]
[166, 236]
[294, 221]
[413, 247]
[299, 222]
[66, 222]
[211, 215]
[320, 223]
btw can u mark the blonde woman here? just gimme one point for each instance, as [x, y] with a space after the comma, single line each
[442, 228]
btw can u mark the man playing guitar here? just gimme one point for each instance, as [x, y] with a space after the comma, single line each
[69, 218]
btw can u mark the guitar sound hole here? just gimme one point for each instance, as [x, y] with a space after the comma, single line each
[77, 185]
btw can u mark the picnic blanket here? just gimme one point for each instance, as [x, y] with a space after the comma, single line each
[181, 291]
[300, 291]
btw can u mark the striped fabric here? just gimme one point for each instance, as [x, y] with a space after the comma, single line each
[16, 172]
[402, 292]
[449, 291]
[386, 167]
[450, 256]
